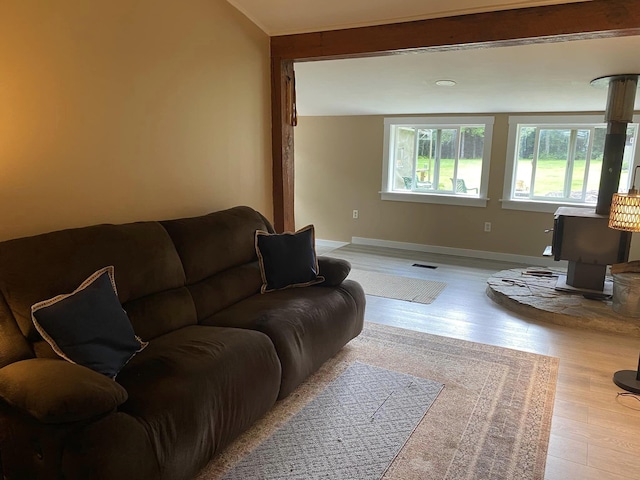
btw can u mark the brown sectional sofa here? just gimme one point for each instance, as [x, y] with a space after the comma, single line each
[219, 355]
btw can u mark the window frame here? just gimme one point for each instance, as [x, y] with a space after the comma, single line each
[440, 122]
[577, 121]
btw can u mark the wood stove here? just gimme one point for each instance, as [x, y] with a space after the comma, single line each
[581, 235]
[584, 239]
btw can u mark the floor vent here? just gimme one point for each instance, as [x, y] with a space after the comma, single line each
[424, 266]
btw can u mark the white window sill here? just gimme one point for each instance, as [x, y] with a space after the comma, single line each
[442, 199]
[538, 206]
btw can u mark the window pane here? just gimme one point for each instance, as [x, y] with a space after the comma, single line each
[580, 166]
[551, 167]
[524, 161]
[403, 158]
[470, 162]
[595, 171]
[426, 158]
[448, 155]
[629, 150]
[595, 167]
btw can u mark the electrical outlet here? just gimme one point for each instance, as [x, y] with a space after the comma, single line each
[487, 226]
[355, 214]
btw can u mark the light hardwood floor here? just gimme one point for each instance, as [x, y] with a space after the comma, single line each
[594, 434]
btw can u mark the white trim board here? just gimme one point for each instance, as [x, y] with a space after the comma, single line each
[330, 243]
[461, 252]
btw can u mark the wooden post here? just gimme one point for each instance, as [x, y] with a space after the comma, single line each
[283, 116]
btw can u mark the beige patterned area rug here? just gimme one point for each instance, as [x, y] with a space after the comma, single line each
[491, 420]
[354, 429]
[395, 286]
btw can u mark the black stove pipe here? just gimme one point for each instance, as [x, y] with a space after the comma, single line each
[619, 113]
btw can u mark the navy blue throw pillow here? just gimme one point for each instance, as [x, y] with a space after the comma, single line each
[89, 326]
[287, 259]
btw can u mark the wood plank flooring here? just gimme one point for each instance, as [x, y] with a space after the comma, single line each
[594, 434]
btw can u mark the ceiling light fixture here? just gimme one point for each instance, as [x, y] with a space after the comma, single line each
[445, 83]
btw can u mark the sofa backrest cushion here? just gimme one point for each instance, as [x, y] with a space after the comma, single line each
[162, 312]
[219, 257]
[225, 289]
[216, 242]
[36, 268]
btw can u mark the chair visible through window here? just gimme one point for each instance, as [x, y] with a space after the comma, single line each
[461, 186]
[418, 184]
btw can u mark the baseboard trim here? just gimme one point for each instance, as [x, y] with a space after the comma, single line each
[330, 243]
[461, 252]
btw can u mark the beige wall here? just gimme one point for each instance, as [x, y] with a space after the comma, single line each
[128, 110]
[339, 169]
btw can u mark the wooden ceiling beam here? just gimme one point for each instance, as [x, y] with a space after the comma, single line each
[555, 23]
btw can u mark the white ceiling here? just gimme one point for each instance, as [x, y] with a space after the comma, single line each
[550, 77]
[283, 17]
[531, 78]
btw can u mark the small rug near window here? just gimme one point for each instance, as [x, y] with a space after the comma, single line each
[353, 429]
[394, 286]
[492, 419]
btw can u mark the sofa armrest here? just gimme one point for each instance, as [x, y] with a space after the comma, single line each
[334, 270]
[56, 391]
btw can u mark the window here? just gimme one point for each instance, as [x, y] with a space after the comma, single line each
[558, 160]
[437, 159]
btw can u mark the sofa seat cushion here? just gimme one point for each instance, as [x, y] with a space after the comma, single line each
[197, 388]
[307, 326]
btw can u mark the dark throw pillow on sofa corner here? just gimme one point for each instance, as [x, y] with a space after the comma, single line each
[89, 327]
[287, 259]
